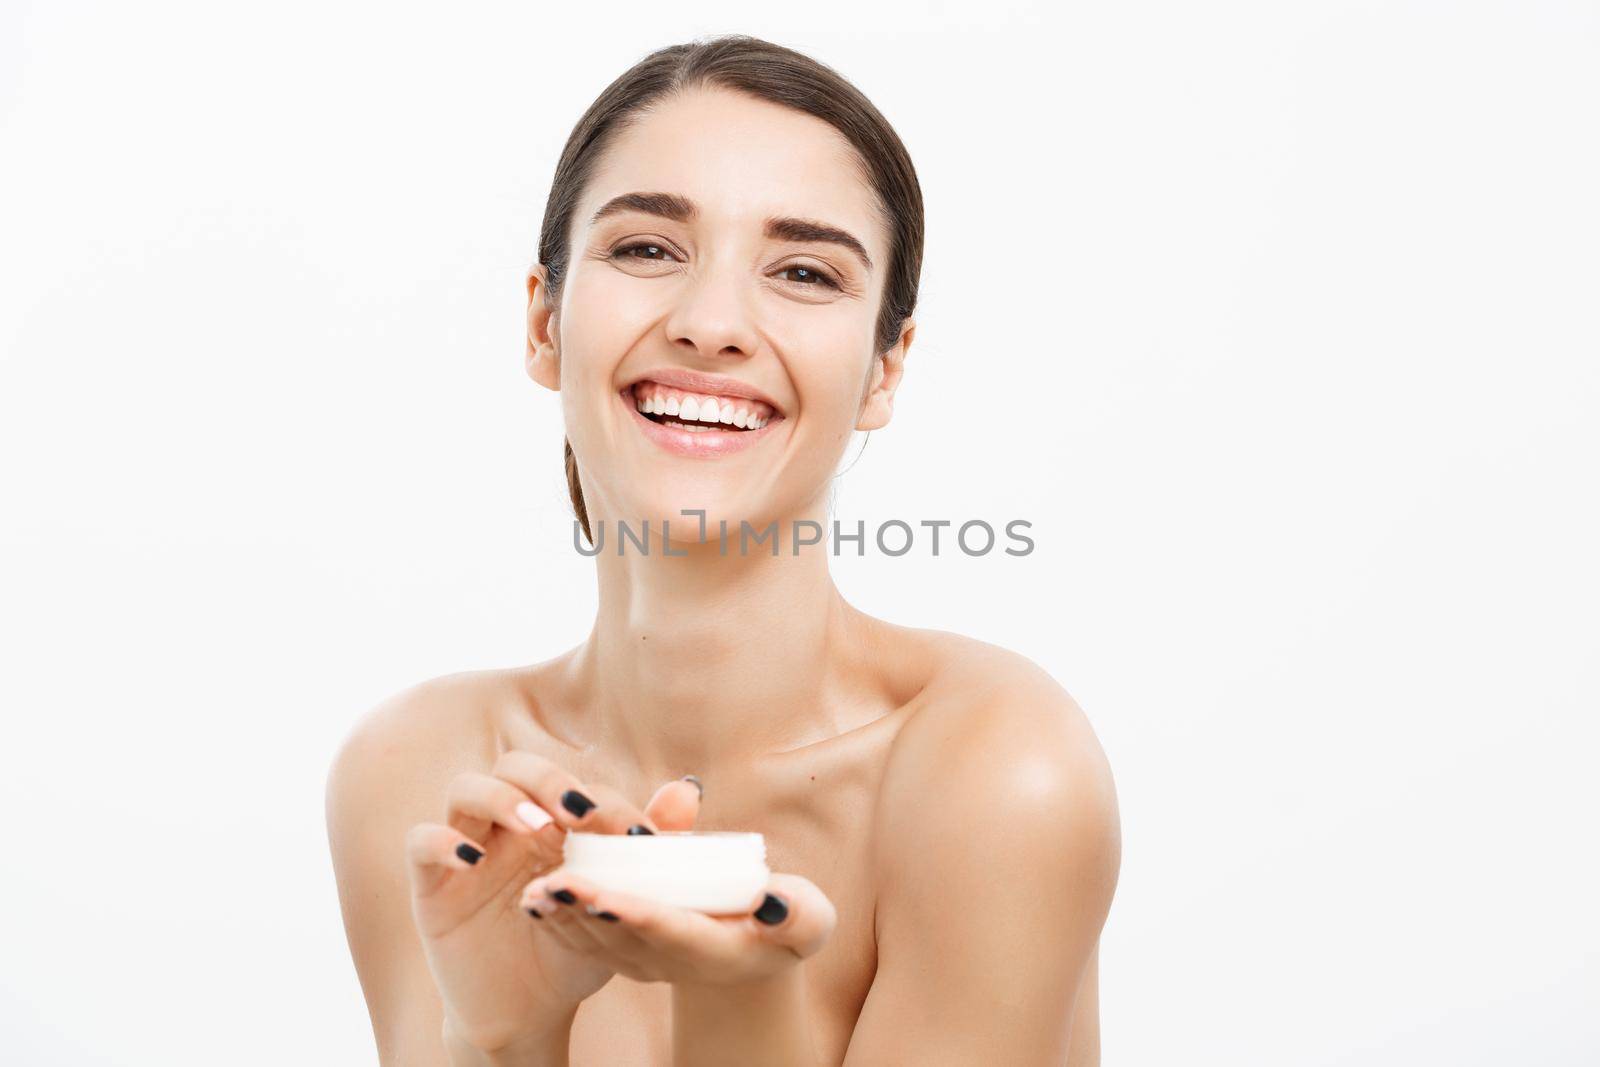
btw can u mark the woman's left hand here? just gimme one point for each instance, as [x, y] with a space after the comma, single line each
[651, 942]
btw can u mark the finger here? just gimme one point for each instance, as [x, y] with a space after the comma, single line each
[676, 805]
[474, 801]
[794, 913]
[559, 923]
[616, 813]
[577, 901]
[621, 948]
[558, 889]
[535, 897]
[564, 911]
[573, 804]
[619, 941]
[679, 932]
[584, 895]
[621, 916]
[434, 851]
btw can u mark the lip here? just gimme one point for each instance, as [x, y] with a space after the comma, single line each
[706, 444]
[706, 384]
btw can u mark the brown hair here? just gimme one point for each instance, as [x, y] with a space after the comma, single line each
[769, 72]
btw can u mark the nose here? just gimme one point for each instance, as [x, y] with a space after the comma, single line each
[712, 316]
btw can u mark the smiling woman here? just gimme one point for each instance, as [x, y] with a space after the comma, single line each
[724, 292]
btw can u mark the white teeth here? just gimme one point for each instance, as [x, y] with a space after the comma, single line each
[700, 413]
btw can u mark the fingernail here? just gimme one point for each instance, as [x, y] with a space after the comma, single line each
[597, 913]
[607, 916]
[565, 896]
[641, 828]
[697, 785]
[532, 814]
[576, 803]
[535, 913]
[468, 853]
[772, 911]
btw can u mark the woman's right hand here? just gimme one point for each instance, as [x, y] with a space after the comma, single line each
[500, 982]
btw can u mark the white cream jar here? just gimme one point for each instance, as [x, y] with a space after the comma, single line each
[712, 871]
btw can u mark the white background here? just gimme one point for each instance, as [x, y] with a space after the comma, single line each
[1291, 310]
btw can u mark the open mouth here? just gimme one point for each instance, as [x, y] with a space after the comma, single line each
[701, 425]
[697, 412]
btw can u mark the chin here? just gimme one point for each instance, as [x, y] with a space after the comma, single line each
[657, 513]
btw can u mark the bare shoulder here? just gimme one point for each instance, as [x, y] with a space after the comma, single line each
[395, 762]
[392, 770]
[992, 717]
[397, 758]
[425, 732]
[997, 798]
[998, 761]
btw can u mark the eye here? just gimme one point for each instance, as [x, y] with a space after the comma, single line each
[811, 276]
[652, 251]
[623, 252]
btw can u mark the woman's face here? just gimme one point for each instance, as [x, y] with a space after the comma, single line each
[732, 260]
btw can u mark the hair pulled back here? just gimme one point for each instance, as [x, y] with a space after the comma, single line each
[769, 72]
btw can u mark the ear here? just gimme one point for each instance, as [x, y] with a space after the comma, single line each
[543, 359]
[887, 370]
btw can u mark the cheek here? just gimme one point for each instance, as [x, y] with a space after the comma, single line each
[826, 351]
[831, 383]
[602, 320]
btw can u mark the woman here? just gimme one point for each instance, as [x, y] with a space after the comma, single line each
[733, 239]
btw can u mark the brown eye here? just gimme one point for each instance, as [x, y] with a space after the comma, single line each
[646, 246]
[810, 276]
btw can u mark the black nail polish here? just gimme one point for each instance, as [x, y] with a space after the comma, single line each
[641, 828]
[534, 912]
[607, 916]
[565, 896]
[468, 853]
[576, 803]
[772, 911]
[697, 785]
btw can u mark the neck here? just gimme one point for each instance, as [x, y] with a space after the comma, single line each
[703, 660]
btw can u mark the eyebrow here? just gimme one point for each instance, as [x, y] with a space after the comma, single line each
[778, 228]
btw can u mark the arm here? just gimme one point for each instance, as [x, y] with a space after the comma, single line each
[373, 796]
[765, 1022]
[997, 859]
[550, 1051]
